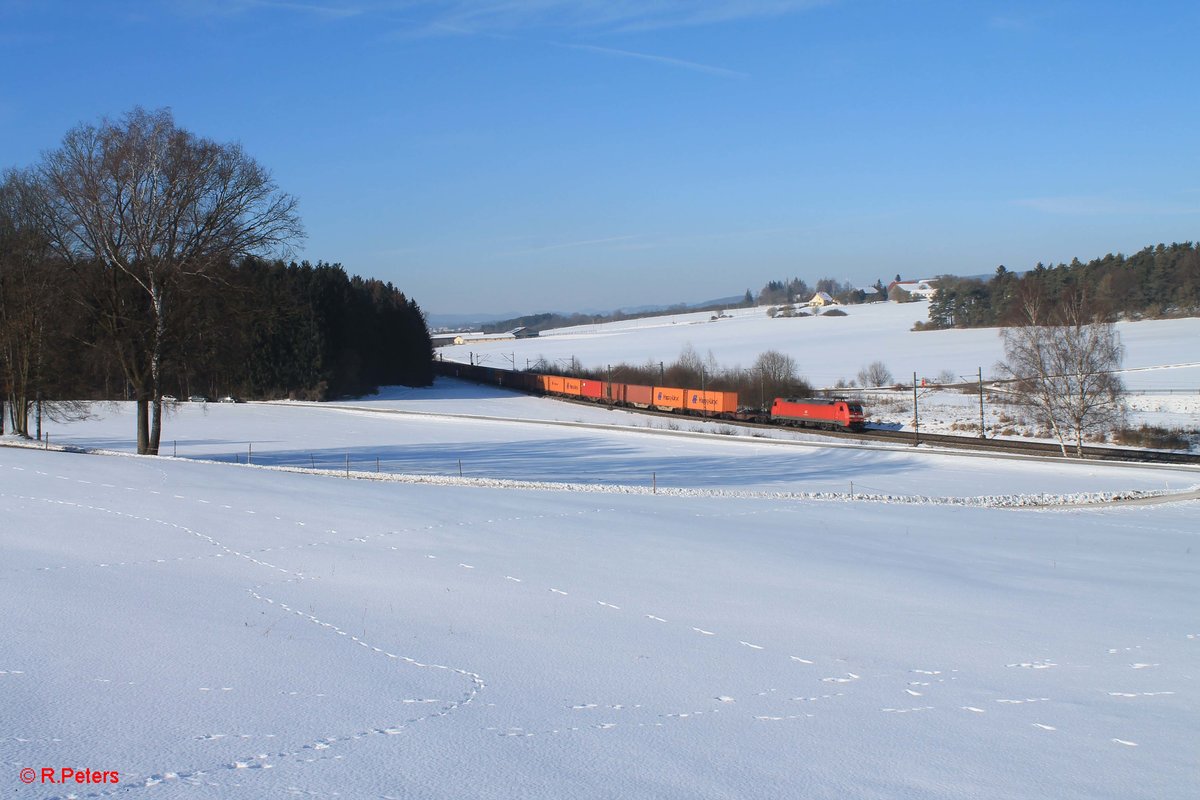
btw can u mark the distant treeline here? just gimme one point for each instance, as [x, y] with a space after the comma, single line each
[270, 329]
[252, 329]
[1159, 281]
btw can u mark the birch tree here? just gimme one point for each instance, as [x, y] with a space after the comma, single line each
[142, 203]
[1066, 371]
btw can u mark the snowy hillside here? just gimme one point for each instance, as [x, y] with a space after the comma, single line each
[1160, 354]
[214, 629]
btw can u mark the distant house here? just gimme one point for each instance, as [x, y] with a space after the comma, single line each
[523, 333]
[924, 289]
[445, 339]
[822, 299]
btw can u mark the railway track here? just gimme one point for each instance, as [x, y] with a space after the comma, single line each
[975, 443]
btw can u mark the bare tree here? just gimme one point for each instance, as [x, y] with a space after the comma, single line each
[1065, 371]
[875, 374]
[144, 202]
[778, 375]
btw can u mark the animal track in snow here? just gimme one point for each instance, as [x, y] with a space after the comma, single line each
[850, 676]
[1022, 702]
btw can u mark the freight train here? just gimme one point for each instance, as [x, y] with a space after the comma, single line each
[831, 414]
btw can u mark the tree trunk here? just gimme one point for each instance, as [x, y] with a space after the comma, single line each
[143, 424]
[156, 358]
[20, 417]
[155, 424]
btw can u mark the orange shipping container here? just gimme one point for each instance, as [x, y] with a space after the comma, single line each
[711, 402]
[668, 398]
[571, 386]
[554, 384]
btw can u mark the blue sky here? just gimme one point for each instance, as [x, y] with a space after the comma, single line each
[492, 156]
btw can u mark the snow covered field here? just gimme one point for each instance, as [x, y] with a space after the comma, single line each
[216, 630]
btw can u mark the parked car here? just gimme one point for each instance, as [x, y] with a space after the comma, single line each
[198, 398]
[229, 399]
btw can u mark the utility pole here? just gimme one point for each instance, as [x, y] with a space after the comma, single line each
[661, 374]
[982, 432]
[916, 415]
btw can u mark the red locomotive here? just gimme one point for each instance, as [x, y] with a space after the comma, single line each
[818, 413]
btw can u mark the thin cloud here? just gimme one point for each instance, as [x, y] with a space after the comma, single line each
[613, 16]
[310, 8]
[673, 62]
[210, 8]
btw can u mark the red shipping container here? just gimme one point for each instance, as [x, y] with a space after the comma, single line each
[592, 390]
[640, 396]
[613, 392]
